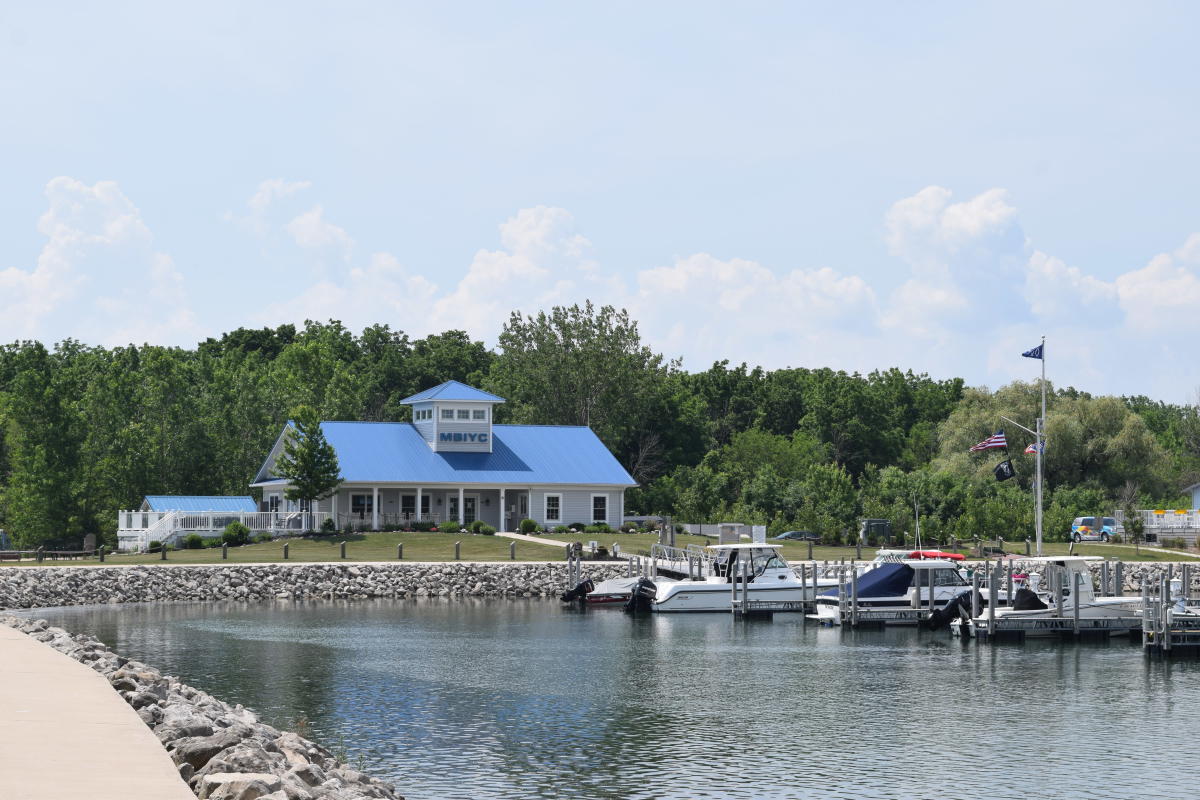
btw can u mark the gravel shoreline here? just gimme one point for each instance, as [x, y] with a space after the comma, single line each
[223, 752]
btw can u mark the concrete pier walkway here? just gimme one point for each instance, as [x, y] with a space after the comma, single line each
[65, 734]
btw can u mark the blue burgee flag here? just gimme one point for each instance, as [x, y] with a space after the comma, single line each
[1035, 352]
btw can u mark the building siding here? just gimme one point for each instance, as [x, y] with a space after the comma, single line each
[576, 505]
[467, 428]
[426, 427]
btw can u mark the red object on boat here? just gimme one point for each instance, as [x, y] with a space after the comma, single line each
[923, 554]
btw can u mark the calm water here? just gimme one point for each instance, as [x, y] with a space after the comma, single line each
[520, 699]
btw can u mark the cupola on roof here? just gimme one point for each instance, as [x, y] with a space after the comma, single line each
[453, 391]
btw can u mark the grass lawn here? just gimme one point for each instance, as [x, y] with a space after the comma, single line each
[798, 551]
[359, 547]
[440, 547]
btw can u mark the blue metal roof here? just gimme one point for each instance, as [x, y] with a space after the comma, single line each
[393, 452]
[167, 502]
[452, 390]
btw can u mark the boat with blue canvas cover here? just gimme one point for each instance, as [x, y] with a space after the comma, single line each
[898, 585]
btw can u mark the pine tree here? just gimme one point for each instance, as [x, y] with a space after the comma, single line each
[308, 461]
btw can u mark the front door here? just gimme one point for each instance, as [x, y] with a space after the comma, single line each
[470, 506]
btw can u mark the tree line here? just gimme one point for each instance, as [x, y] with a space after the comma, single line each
[85, 431]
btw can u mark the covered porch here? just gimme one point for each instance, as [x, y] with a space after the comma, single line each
[379, 506]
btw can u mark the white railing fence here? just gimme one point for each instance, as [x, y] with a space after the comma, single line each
[1166, 519]
[136, 529]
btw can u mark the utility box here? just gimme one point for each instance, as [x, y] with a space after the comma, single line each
[881, 529]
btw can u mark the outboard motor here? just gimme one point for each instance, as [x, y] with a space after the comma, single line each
[942, 617]
[641, 598]
[580, 591]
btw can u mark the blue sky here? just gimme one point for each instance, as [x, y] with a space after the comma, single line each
[932, 186]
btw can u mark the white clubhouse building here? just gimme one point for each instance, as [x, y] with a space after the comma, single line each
[450, 464]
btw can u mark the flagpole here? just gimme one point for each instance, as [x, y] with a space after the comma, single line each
[1041, 430]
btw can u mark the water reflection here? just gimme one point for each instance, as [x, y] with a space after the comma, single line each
[517, 699]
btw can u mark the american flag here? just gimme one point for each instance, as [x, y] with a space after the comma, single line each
[995, 440]
[1035, 447]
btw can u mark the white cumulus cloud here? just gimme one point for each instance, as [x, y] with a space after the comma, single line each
[98, 277]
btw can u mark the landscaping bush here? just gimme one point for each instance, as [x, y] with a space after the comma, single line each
[562, 529]
[599, 527]
[628, 527]
[578, 527]
[476, 526]
[329, 526]
[528, 526]
[154, 546]
[193, 541]
[211, 543]
[235, 534]
[424, 525]
[486, 530]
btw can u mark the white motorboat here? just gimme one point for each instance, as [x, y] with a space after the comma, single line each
[1035, 613]
[896, 586]
[757, 570]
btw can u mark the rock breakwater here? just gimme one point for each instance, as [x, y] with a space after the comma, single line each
[223, 752]
[43, 587]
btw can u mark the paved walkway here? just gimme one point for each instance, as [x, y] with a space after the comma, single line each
[521, 537]
[66, 735]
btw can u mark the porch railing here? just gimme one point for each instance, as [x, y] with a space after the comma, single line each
[364, 521]
[136, 529]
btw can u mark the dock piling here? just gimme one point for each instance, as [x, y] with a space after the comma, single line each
[975, 608]
[100, 553]
[457, 551]
[162, 552]
[991, 609]
[285, 551]
[1077, 582]
[512, 552]
[810, 549]
[1009, 593]
[854, 599]
[399, 551]
[224, 550]
[1119, 580]
[343, 549]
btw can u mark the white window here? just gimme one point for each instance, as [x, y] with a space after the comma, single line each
[447, 413]
[599, 508]
[273, 502]
[479, 413]
[464, 413]
[554, 508]
[362, 505]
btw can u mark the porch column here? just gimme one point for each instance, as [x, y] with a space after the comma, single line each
[460, 506]
[333, 509]
[503, 512]
[418, 509]
[375, 508]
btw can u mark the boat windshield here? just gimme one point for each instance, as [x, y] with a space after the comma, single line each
[940, 577]
[762, 560]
